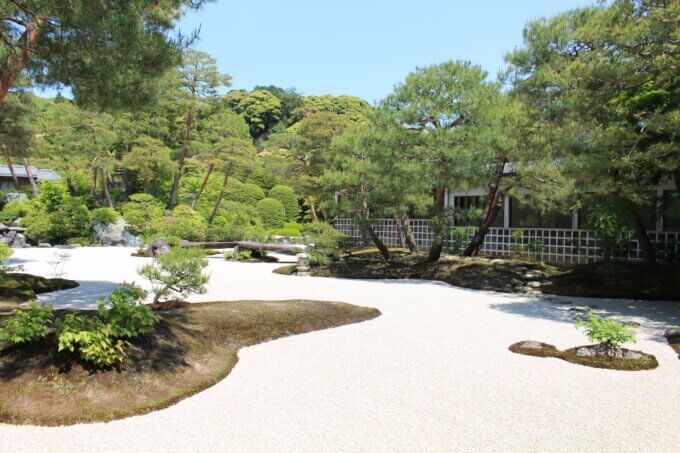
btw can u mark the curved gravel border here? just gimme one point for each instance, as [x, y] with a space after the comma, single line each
[433, 373]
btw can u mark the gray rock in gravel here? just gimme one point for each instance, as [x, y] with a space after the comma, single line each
[673, 333]
[585, 352]
[533, 293]
[115, 234]
[580, 308]
[158, 247]
[632, 355]
[531, 345]
[44, 245]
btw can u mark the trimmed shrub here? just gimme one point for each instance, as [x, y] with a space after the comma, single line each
[271, 212]
[248, 193]
[286, 195]
[325, 241]
[28, 326]
[185, 223]
[71, 219]
[290, 232]
[105, 215]
[143, 213]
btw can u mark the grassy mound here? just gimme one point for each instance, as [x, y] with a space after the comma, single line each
[507, 274]
[646, 362]
[194, 348]
[18, 287]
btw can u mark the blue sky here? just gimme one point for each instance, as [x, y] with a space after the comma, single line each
[361, 48]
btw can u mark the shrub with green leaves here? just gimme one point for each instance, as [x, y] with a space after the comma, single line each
[6, 253]
[324, 241]
[609, 231]
[286, 195]
[290, 232]
[127, 316]
[143, 213]
[271, 212]
[179, 271]
[184, 223]
[608, 333]
[91, 338]
[239, 192]
[460, 236]
[242, 255]
[28, 326]
[105, 215]
[16, 209]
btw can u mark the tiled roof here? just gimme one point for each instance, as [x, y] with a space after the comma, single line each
[41, 174]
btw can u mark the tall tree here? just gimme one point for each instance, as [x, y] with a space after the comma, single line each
[150, 159]
[15, 130]
[108, 52]
[197, 82]
[444, 106]
[605, 78]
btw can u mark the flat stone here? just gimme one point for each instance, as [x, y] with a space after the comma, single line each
[673, 333]
[585, 352]
[497, 262]
[520, 268]
[531, 345]
[44, 245]
[580, 308]
[533, 293]
[534, 284]
[632, 355]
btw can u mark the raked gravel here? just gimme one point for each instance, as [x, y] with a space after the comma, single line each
[433, 373]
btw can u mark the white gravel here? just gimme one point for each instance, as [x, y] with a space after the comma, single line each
[433, 373]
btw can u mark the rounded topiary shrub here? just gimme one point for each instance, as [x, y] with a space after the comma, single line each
[272, 213]
[247, 193]
[286, 195]
[105, 215]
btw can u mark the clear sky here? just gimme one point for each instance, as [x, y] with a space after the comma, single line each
[358, 47]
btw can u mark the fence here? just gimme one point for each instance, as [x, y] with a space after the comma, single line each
[553, 245]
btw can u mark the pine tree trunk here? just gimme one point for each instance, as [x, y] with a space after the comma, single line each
[365, 224]
[93, 185]
[146, 185]
[16, 63]
[180, 162]
[70, 186]
[312, 209]
[105, 189]
[438, 226]
[203, 184]
[31, 181]
[404, 224]
[494, 201]
[227, 173]
[646, 247]
[400, 230]
[15, 181]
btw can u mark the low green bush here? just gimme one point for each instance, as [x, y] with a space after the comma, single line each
[127, 316]
[105, 215]
[58, 223]
[242, 255]
[90, 338]
[184, 223]
[286, 195]
[247, 193]
[15, 209]
[271, 212]
[608, 333]
[290, 232]
[179, 271]
[144, 214]
[28, 326]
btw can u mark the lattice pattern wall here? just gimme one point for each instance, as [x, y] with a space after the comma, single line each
[550, 244]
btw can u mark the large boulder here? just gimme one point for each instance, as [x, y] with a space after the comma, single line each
[115, 234]
[11, 196]
[158, 247]
[14, 239]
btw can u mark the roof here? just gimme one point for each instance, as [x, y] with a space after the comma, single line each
[41, 174]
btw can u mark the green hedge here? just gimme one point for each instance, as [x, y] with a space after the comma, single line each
[271, 212]
[286, 195]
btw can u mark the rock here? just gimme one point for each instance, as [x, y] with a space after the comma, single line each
[158, 247]
[531, 345]
[529, 275]
[533, 293]
[673, 333]
[115, 234]
[44, 245]
[497, 262]
[519, 268]
[11, 196]
[632, 355]
[585, 352]
[580, 308]
[534, 284]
